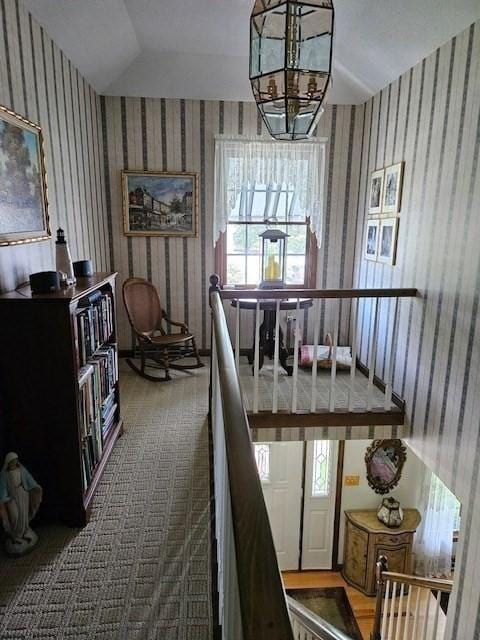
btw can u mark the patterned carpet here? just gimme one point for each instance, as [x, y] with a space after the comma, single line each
[304, 389]
[141, 568]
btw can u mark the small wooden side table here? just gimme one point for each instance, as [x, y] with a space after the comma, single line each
[366, 539]
[267, 328]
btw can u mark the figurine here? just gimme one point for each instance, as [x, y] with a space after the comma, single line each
[64, 264]
[20, 498]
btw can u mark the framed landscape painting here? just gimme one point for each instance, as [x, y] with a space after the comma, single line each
[376, 192]
[392, 190]
[23, 189]
[160, 203]
[371, 239]
[387, 243]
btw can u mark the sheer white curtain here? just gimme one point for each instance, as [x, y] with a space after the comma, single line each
[434, 539]
[298, 165]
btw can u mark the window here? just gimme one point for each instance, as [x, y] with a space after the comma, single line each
[321, 469]
[262, 458]
[254, 204]
[260, 184]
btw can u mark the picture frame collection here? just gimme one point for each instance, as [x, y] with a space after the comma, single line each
[385, 195]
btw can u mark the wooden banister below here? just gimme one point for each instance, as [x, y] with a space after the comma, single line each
[275, 294]
[437, 584]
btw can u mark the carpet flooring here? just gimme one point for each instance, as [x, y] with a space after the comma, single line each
[332, 605]
[141, 568]
[304, 389]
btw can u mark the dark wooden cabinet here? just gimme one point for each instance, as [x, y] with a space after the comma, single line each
[41, 373]
[366, 539]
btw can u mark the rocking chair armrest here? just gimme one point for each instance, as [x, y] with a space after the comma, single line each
[143, 336]
[175, 324]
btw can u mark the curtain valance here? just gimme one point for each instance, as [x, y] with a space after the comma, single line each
[298, 165]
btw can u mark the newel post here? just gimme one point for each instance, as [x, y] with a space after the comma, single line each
[381, 567]
[214, 286]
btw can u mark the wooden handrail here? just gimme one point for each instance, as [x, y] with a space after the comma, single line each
[275, 294]
[262, 599]
[314, 624]
[436, 584]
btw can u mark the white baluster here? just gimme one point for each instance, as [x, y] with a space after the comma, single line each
[316, 331]
[425, 619]
[391, 350]
[237, 338]
[295, 357]
[333, 376]
[415, 615]
[385, 610]
[373, 355]
[275, 358]
[435, 615]
[399, 616]
[256, 358]
[353, 368]
[407, 615]
[392, 612]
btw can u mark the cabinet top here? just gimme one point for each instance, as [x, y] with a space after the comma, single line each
[82, 287]
[367, 519]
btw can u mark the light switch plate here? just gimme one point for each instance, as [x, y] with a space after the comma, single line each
[352, 481]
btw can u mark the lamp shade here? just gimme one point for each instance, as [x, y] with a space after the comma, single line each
[290, 63]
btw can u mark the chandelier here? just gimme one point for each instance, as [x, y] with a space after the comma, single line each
[290, 63]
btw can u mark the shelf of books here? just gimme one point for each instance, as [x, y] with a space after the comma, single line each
[97, 379]
[60, 407]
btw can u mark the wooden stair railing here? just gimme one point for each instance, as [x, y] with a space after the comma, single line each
[307, 625]
[408, 606]
[252, 604]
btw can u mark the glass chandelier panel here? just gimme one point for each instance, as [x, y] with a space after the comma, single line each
[290, 63]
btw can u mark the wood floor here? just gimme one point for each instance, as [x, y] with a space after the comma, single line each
[363, 606]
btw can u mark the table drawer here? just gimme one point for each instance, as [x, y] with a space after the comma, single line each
[393, 539]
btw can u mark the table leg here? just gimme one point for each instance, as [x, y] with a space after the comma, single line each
[283, 353]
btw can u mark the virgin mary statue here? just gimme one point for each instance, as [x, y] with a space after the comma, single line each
[20, 498]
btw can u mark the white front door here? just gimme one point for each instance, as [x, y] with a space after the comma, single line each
[319, 504]
[280, 466]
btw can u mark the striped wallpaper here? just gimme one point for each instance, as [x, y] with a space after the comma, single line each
[178, 135]
[40, 83]
[430, 119]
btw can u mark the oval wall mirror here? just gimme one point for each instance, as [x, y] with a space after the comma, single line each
[385, 460]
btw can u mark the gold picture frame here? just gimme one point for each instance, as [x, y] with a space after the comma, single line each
[387, 241]
[392, 188]
[375, 197]
[23, 181]
[372, 233]
[160, 203]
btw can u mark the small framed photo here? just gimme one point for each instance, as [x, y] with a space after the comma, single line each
[371, 239]
[392, 190]
[160, 203]
[387, 243]
[376, 192]
[23, 187]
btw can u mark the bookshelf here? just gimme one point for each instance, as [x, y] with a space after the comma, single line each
[59, 391]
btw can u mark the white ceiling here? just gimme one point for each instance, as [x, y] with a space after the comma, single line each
[199, 48]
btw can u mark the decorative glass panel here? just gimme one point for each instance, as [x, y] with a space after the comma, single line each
[321, 468]
[262, 458]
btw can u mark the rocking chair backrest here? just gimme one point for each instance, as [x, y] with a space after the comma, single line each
[142, 304]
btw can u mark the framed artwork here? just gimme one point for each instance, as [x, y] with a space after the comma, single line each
[371, 239]
[160, 203]
[392, 190]
[376, 192]
[23, 188]
[387, 243]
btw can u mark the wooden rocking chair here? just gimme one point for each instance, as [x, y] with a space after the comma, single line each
[146, 318]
